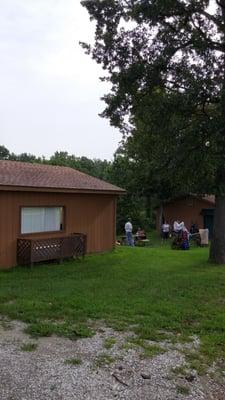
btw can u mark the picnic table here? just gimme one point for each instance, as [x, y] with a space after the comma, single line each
[137, 241]
[141, 242]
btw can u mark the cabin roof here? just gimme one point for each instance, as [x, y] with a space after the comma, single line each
[18, 175]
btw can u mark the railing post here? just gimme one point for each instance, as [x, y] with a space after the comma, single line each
[31, 254]
[62, 240]
[84, 244]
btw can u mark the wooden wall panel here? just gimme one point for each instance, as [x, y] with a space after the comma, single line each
[92, 214]
[186, 209]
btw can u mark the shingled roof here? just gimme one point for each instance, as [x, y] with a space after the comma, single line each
[209, 198]
[21, 176]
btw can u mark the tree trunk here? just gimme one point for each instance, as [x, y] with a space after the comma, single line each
[217, 249]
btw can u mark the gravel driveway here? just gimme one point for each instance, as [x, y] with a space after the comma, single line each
[88, 369]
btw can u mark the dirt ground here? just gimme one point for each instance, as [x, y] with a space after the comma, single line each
[103, 367]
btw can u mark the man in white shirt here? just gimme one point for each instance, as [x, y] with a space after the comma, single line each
[128, 230]
[178, 226]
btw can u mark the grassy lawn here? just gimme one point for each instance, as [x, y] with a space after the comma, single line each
[154, 290]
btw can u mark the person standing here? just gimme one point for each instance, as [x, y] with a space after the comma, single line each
[128, 230]
[165, 230]
[178, 227]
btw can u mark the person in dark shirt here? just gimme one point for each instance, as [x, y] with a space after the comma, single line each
[140, 234]
[193, 229]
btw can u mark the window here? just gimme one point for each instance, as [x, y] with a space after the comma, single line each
[41, 219]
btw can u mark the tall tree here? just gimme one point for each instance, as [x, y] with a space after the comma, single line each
[4, 153]
[25, 157]
[127, 173]
[166, 64]
[96, 167]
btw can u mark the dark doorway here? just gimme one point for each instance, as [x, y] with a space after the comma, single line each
[208, 217]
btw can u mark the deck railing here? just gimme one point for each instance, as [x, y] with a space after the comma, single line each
[31, 250]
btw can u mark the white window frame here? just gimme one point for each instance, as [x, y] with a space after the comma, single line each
[41, 219]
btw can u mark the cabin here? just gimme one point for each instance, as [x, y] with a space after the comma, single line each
[191, 209]
[57, 206]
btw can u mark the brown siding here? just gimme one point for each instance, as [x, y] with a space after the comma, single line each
[187, 209]
[91, 214]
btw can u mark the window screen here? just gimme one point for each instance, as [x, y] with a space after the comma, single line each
[41, 219]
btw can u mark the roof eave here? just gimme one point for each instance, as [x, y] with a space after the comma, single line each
[13, 188]
[172, 200]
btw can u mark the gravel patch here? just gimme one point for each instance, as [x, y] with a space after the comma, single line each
[103, 372]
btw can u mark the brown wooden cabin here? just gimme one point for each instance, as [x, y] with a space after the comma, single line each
[43, 201]
[191, 209]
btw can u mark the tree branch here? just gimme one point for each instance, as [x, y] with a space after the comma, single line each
[176, 84]
[212, 18]
[204, 110]
[220, 4]
[215, 45]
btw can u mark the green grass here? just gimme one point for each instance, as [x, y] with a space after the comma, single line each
[198, 361]
[103, 359]
[184, 390]
[149, 350]
[73, 361]
[155, 290]
[109, 342]
[29, 347]
[68, 329]
[182, 370]
[152, 351]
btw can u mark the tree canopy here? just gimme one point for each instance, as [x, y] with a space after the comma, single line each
[165, 61]
[121, 171]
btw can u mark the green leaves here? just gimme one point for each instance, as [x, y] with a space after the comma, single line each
[165, 63]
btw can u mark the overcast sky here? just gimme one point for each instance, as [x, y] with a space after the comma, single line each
[50, 90]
